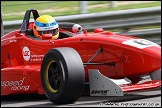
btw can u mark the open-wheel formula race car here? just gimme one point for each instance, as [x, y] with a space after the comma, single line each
[101, 63]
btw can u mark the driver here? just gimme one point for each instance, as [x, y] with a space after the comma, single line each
[46, 24]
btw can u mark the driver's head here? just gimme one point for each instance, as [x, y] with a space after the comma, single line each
[46, 24]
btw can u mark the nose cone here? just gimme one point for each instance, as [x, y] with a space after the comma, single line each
[153, 57]
[144, 56]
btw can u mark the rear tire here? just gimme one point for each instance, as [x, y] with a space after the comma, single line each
[62, 75]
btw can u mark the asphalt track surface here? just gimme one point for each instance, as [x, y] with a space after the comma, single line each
[145, 98]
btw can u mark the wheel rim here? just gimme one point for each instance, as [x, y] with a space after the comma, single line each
[52, 76]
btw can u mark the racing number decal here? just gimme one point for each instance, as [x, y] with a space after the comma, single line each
[26, 53]
[139, 43]
[143, 42]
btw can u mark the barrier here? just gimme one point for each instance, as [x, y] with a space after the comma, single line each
[125, 21]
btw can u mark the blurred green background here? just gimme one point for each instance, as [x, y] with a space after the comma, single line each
[15, 10]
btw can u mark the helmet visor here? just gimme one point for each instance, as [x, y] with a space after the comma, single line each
[53, 32]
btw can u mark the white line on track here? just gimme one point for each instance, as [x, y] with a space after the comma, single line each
[23, 104]
[79, 102]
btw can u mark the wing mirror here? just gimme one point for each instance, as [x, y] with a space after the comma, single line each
[98, 30]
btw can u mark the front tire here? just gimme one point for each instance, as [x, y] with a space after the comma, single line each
[62, 75]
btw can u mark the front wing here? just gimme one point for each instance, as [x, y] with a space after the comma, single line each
[101, 85]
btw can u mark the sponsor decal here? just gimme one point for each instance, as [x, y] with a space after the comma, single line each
[26, 53]
[125, 58]
[31, 57]
[102, 92]
[139, 43]
[15, 85]
[13, 40]
[37, 57]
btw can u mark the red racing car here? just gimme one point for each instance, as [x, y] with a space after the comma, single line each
[101, 63]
